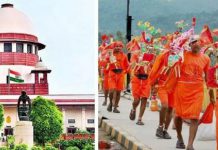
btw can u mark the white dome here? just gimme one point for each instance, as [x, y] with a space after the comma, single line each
[40, 65]
[14, 21]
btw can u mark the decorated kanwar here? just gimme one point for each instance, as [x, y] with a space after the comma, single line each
[141, 63]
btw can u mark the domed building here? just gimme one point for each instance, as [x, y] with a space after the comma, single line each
[21, 68]
[19, 51]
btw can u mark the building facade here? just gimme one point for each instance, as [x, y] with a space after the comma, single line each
[22, 69]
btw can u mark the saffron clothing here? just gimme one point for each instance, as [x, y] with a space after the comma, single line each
[189, 91]
[156, 73]
[117, 71]
[139, 79]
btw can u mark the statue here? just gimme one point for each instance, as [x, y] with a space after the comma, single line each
[24, 109]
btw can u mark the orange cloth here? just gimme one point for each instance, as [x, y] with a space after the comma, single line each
[105, 82]
[116, 80]
[208, 115]
[165, 97]
[155, 74]
[189, 89]
[211, 77]
[140, 88]
[104, 73]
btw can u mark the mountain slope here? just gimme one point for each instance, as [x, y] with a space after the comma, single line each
[161, 13]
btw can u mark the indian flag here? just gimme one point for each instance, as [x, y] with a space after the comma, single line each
[14, 76]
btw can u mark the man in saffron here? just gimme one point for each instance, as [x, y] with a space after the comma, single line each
[189, 91]
[117, 67]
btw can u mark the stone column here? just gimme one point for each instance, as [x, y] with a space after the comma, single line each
[64, 120]
[83, 118]
[23, 132]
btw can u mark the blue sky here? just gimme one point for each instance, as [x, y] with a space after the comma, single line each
[67, 28]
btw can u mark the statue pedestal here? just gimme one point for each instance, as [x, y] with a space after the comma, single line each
[23, 132]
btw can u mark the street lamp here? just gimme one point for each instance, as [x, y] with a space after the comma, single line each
[128, 37]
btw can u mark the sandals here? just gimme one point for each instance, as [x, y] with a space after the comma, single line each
[109, 108]
[166, 135]
[116, 110]
[105, 103]
[139, 122]
[159, 132]
[180, 145]
[132, 115]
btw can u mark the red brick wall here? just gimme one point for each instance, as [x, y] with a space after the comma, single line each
[12, 58]
[31, 89]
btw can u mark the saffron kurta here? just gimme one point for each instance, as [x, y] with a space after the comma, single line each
[116, 80]
[156, 74]
[140, 87]
[189, 91]
[103, 66]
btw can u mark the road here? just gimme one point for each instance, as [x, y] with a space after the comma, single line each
[145, 135]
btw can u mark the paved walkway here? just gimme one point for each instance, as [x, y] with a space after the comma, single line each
[143, 137]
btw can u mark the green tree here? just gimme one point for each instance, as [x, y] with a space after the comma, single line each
[72, 148]
[1, 116]
[21, 147]
[4, 148]
[10, 141]
[50, 148]
[36, 148]
[47, 120]
[89, 147]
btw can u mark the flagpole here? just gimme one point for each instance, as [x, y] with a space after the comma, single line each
[8, 81]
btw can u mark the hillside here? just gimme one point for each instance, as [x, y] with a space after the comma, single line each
[161, 13]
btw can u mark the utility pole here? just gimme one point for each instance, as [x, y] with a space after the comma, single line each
[128, 37]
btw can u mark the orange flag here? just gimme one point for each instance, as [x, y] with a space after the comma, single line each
[133, 45]
[206, 36]
[208, 115]
[110, 46]
[130, 44]
[211, 77]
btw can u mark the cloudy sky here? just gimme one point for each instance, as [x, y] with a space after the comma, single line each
[67, 28]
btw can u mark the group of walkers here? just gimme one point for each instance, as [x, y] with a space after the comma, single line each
[177, 77]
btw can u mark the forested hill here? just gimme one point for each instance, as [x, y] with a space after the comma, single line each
[160, 13]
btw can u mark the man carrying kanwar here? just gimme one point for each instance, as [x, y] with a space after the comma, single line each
[189, 91]
[117, 68]
[140, 66]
